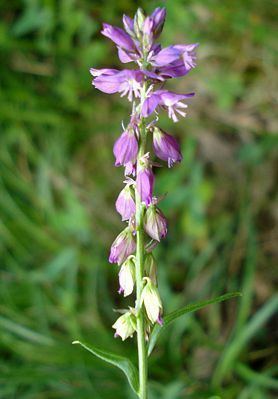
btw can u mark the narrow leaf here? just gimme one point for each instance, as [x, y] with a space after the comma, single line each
[121, 362]
[263, 380]
[180, 312]
[239, 342]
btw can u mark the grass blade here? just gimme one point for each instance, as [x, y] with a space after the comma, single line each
[246, 334]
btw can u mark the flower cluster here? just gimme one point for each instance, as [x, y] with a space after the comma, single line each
[136, 203]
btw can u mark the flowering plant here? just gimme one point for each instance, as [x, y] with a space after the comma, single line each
[146, 225]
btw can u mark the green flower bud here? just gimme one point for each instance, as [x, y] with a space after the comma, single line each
[127, 276]
[125, 325]
[151, 268]
[139, 20]
[152, 302]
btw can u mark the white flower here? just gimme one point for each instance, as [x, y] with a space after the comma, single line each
[125, 325]
[151, 299]
[127, 276]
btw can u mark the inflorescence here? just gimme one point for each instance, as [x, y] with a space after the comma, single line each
[136, 203]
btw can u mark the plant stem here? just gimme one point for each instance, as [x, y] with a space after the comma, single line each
[141, 343]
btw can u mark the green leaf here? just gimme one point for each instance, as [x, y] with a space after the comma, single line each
[259, 379]
[180, 312]
[242, 339]
[121, 362]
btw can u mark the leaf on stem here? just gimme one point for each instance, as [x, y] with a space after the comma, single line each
[180, 312]
[121, 362]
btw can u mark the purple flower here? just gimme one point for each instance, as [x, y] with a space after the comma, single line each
[166, 147]
[118, 36]
[148, 36]
[123, 246]
[148, 26]
[168, 55]
[126, 147]
[165, 56]
[188, 54]
[155, 223]
[127, 44]
[128, 24]
[127, 56]
[104, 71]
[145, 183]
[130, 169]
[127, 82]
[125, 204]
[175, 69]
[167, 100]
[158, 17]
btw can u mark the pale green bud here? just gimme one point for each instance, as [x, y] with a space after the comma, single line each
[125, 325]
[152, 302]
[139, 20]
[151, 268]
[127, 276]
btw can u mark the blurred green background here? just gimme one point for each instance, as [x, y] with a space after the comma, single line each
[58, 186]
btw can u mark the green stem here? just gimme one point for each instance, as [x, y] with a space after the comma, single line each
[141, 343]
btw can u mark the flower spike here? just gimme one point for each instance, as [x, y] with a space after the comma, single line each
[136, 149]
